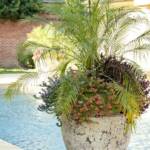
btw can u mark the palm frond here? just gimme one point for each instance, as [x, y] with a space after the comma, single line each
[22, 85]
[66, 99]
[63, 66]
[129, 102]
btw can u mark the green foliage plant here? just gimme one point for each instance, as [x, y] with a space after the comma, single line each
[24, 58]
[18, 9]
[95, 78]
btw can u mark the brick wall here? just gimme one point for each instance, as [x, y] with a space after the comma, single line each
[11, 34]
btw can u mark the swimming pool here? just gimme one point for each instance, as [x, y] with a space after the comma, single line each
[23, 125]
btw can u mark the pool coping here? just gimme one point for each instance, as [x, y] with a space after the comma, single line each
[6, 79]
[8, 146]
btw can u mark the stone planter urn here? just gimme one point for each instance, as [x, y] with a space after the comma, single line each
[105, 133]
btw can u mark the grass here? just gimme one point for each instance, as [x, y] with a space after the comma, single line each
[148, 74]
[14, 70]
[116, 3]
[124, 3]
[48, 7]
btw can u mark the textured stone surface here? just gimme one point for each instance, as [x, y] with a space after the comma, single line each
[105, 133]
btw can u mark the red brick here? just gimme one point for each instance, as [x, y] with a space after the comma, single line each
[11, 34]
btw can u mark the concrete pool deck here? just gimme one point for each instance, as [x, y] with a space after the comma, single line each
[32, 87]
[9, 78]
[7, 146]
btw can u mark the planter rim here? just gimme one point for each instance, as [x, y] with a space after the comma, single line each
[109, 116]
[93, 119]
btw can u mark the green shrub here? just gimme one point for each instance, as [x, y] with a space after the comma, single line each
[18, 9]
[25, 58]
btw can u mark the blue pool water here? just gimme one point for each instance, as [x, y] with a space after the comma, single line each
[23, 125]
